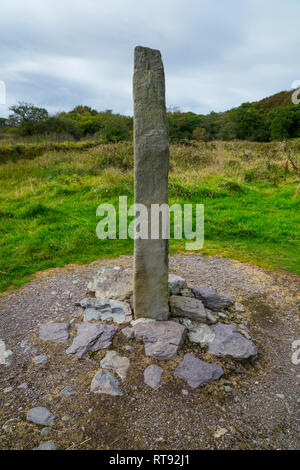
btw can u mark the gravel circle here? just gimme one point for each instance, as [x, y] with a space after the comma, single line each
[253, 406]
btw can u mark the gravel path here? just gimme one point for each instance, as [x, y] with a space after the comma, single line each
[259, 413]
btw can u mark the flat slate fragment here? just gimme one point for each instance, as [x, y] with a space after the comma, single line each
[112, 282]
[47, 446]
[188, 307]
[40, 415]
[104, 382]
[212, 299]
[92, 337]
[119, 364]
[162, 339]
[55, 332]
[176, 284]
[152, 375]
[228, 342]
[106, 310]
[197, 372]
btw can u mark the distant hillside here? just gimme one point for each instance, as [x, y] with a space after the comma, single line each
[281, 99]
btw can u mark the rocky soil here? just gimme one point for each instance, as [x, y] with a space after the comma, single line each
[253, 405]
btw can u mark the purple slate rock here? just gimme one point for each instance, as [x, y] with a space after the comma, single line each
[162, 339]
[92, 337]
[228, 342]
[211, 299]
[197, 372]
[55, 332]
[152, 375]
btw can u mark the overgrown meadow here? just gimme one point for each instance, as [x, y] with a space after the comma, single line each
[48, 202]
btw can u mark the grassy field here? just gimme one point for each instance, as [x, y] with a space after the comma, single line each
[48, 204]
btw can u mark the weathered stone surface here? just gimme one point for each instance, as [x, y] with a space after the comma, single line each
[239, 307]
[202, 335]
[106, 310]
[151, 166]
[104, 382]
[228, 342]
[187, 307]
[187, 292]
[92, 337]
[162, 339]
[67, 391]
[47, 446]
[197, 372]
[197, 332]
[152, 375]
[119, 364]
[211, 318]
[55, 332]
[211, 299]
[128, 332]
[176, 284]
[141, 320]
[5, 354]
[40, 415]
[112, 282]
[40, 360]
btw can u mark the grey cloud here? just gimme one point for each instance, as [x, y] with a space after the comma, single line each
[217, 53]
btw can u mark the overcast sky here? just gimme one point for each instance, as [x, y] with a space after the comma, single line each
[217, 53]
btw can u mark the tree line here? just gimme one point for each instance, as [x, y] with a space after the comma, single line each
[250, 121]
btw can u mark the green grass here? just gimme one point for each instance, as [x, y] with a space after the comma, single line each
[48, 206]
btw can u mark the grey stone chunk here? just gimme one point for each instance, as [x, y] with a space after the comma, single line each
[112, 282]
[67, 391]
[45, 431]
[211, 318]
[152, 375]
[202, 335]
[40, 415]
[141, 320]
[5, 354]
[197, 332]
[222, 315]
[128, 332]
[239, 307]
[187, 307]
[104, 382]
[92, 337]
[176, 284]
[23, 386]
[55, 332]
[162, 339]
[119, 364]
[47, 446]
[40, 360]
[106, 310]
[197, 372]
[211, 299]
[151, 166]
[129, 348]
[228, 342]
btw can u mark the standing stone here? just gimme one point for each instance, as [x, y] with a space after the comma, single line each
[151, 156]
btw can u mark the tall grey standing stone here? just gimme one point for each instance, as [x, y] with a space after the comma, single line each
[151, 166]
